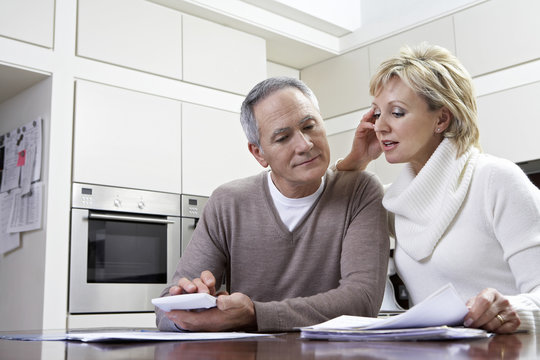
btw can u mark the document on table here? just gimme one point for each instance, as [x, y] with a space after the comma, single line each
[430, 318]
[146, 335]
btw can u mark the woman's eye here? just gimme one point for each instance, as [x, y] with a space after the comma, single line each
[398, 113]
[376, 115]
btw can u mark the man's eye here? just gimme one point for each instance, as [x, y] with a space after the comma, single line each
[281, 138]
[309, 127]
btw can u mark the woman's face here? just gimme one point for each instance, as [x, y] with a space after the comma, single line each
[406, 129]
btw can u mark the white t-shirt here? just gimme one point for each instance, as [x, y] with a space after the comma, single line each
[291, 211]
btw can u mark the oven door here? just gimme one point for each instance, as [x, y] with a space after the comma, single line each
[120, 261]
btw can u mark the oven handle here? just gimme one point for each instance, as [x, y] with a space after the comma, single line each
[129, 218]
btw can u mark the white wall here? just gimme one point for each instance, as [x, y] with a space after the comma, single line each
[21, 270]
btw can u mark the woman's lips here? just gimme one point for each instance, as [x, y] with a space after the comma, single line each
[388, 144]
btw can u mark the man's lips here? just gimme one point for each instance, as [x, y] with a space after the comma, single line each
[308, 161]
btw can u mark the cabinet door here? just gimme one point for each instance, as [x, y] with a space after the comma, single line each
[126, 138]
[131, 33]
[506, 128]
[341, 84]
[220, 57]
[214, 149]
[28, 20]
[497, 34]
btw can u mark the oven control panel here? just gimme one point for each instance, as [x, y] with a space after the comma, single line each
[109, 198]
[192, 205]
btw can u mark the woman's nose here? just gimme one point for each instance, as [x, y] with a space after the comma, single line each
[380, 125]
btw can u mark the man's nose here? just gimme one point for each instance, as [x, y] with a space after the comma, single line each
[303, 142]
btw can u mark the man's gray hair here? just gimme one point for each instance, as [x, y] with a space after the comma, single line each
[260, 92]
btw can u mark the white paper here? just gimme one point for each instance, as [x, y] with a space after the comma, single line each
[8, 241]
[157, 335]
[32, 132]
[102, 336]
[10, 172]
[26, 140]
[185, 302]
[26, 211]
[444, 307]
[27, 170]
[409, 334]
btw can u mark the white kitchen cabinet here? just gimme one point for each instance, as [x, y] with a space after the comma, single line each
[214, 149]
[30, 21]
[506, 128]
[439, 32]
[498, 34]
[341, 84]
[131, 33]
[220, 57]
[126, 138]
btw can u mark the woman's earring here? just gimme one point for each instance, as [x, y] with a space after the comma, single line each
[438, 130]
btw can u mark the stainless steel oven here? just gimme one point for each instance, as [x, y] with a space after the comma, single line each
[192, 207]
[125, 245]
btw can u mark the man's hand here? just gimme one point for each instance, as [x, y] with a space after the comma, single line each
[233, 312]
[205, 284]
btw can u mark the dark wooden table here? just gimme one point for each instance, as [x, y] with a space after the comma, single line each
[280, 346]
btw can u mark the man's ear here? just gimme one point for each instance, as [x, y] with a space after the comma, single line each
[257, 154]
[445, 119]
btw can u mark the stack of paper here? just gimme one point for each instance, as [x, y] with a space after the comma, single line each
[428, 320]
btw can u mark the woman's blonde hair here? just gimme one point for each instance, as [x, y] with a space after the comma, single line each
[437, 76]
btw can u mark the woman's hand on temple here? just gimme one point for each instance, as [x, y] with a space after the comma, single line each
[365, 147]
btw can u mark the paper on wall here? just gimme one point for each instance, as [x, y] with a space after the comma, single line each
[26, 211]
[22, 157]
[11, 172]
[8, 241]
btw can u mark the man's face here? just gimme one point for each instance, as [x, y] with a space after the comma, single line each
[292, 142]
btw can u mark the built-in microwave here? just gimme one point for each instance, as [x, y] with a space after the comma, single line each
[125, 245]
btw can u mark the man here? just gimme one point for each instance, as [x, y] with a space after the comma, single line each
[298, 245]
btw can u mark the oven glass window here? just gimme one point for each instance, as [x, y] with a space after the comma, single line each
[126, 252]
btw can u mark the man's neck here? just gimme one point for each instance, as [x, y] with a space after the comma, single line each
[296, 191]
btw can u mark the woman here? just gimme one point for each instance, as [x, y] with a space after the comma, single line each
[459, 216]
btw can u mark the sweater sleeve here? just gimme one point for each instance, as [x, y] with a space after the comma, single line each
[364, 261]
[516, 218]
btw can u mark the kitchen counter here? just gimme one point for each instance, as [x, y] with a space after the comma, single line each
[280, 346]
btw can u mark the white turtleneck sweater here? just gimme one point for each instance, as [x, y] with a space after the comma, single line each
[472, 221]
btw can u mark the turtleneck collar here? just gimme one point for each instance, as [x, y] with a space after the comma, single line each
[424, 205]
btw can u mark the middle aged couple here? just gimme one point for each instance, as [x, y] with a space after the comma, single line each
[300, 244]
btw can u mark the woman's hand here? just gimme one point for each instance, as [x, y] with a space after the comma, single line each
[365, 147]
[491, 311]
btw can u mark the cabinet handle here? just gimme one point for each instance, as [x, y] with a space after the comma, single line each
[129, 218]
